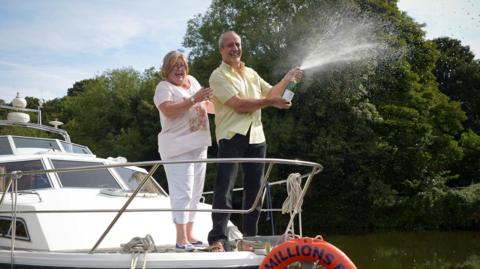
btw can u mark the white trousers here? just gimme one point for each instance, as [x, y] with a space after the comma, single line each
[185, 184]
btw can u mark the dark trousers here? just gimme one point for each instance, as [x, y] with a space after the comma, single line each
[236, 147]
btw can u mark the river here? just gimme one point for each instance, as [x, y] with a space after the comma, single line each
[408, 250]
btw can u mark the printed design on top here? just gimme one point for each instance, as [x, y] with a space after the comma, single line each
[199, 120]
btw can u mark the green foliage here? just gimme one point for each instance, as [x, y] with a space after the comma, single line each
[468, 168]
[459, 77]
[436, 208]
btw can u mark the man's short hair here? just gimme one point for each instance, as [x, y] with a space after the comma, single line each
[221, 39]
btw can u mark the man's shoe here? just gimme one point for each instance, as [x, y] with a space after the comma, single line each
[243, 245]
[216, 247]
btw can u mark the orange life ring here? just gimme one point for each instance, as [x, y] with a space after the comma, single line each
[307, 249]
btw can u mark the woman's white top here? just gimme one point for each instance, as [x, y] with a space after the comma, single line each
[186, 132]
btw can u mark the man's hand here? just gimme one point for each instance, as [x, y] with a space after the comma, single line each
[280, 103]
[295, 74]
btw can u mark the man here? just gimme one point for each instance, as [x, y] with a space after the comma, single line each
[239, 95]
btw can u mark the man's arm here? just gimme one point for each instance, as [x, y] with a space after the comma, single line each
[273, 98]
[245, 105]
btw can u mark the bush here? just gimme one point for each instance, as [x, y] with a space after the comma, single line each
[438, 209]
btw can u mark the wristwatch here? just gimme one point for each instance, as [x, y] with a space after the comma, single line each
[192, 99]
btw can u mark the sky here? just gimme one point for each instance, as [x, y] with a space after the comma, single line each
[459, 19]
[48, 45]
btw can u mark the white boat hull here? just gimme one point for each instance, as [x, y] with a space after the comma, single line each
[173, 260]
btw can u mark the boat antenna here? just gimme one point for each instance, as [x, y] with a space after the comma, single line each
[56, 123]
[40, 106]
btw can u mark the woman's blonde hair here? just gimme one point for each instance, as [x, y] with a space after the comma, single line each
[169, 61]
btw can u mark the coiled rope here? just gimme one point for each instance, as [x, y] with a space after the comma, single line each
[294, 189]
[139, 245]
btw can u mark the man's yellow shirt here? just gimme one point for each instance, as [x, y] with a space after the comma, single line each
[227, 83]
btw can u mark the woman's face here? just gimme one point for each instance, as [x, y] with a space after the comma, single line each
[178, 74]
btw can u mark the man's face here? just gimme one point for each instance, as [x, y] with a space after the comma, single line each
[232, 49]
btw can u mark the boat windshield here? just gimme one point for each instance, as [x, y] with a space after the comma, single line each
[5, 148]
[74, 148]
[28, 142]
[132, 179]
[99, 178]
[23, 144]
[26, 182]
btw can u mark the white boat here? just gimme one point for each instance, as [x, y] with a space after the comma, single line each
[72, 209]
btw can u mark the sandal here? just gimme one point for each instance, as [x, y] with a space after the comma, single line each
[243, 245]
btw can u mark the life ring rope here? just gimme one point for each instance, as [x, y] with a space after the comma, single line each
[307, 249]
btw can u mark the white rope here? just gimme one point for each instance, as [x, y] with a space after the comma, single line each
[137, 246]
[294, 189]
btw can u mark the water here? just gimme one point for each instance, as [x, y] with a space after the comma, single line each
[342, 55]
[345, 36]
[407, 250]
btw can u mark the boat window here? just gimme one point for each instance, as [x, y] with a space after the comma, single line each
[25, 142]
[21, 232]
[73, 148]
[26, 182]
[132, 179]
[5, 148]
[99, 178]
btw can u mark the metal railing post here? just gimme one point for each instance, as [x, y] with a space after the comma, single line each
[127, 203]
[299, 202]
[10, 179]
[13, 230]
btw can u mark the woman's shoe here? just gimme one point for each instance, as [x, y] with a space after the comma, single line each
[186, 247]
[197, 243]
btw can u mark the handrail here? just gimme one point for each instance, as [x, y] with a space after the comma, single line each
[40, 127]
[151, 163]
[315, 169]
[273, 183]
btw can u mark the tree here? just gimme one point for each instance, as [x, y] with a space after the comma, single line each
[458, 74]
[114, 114]
[78, 87]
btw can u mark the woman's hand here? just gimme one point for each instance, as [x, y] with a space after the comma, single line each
[204, 94]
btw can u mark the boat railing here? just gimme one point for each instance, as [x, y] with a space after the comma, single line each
[40, 127]
[268, 185]
[13, 177]
[28, 125]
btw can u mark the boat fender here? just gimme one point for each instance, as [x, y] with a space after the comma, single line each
[314, 250]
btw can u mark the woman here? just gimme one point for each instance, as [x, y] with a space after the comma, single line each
[183, 105]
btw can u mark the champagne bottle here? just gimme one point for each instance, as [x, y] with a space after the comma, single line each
[289, 91]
